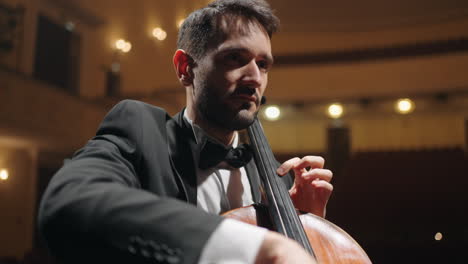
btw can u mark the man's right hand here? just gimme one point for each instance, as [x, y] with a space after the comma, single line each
[278, 249]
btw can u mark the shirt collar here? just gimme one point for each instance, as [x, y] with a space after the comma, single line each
[201, 136]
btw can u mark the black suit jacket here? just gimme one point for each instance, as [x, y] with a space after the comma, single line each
[129, 195]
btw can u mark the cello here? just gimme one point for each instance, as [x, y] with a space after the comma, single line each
[326, 242]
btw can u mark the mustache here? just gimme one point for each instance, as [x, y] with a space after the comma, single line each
[248, 91]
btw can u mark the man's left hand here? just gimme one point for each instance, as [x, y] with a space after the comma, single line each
[311, 189]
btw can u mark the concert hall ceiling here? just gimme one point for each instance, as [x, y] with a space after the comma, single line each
[326, 50]
[314, 16]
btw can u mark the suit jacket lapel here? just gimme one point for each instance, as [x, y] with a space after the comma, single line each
[180, 142]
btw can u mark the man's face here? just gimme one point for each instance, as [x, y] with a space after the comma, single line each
[231, 78]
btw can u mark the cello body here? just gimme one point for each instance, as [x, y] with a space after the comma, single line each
[330, 243]
[326, 242]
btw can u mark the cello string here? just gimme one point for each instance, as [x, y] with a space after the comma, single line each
[285, 211]
[277, 219]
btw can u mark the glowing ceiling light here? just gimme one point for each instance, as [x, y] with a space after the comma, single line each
[127, 47]
[3, 174]
[404, 106]
[123, 45]
[335, 110]
[159, 33]
[119, 44]
[438, 236]
[272, 112]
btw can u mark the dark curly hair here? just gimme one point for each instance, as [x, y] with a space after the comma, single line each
[205, 28]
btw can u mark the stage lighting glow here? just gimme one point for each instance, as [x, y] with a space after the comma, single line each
[159, 33]
[272, 112]
[335, 110]
[119, 44]
[123, 45]
[404, 106]
[127, 47]
[3, 174]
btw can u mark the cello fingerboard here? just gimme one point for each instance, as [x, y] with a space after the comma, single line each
[280, 206]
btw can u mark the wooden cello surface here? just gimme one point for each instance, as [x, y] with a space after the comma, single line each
[330, 243]
[322, 239]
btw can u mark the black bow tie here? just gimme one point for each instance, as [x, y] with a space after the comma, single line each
[212, 154]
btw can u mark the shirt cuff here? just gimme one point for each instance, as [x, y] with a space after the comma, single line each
[233, 242]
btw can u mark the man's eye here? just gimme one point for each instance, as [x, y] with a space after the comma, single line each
[233, 57]
[263, 65]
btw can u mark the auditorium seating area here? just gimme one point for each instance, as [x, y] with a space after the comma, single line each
[396, 201]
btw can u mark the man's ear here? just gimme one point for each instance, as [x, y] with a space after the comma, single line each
[183, 67]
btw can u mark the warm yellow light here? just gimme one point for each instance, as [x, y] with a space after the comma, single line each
[180, 22]
[123, 45]
[127, 47]
[272, 112]
[159, 33]
[119, 44]
[335, 110]
[438, 236]
[3, 174]
[404, 106]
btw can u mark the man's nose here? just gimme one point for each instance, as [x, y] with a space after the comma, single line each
[252, 74]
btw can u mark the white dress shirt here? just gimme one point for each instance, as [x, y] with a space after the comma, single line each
[221, 189]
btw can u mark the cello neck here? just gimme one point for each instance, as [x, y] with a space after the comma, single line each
[282, 212]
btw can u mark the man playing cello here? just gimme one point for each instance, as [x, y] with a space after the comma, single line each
[144, 189]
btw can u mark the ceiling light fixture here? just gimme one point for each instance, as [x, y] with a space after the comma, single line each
[404, 106]
[123, 45]
[159, 33]
[3, 174]
[335, 110]
[272, 112]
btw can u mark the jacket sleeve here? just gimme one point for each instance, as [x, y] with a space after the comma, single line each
[95, 211]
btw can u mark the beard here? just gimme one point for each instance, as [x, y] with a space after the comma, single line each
[213, 108]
